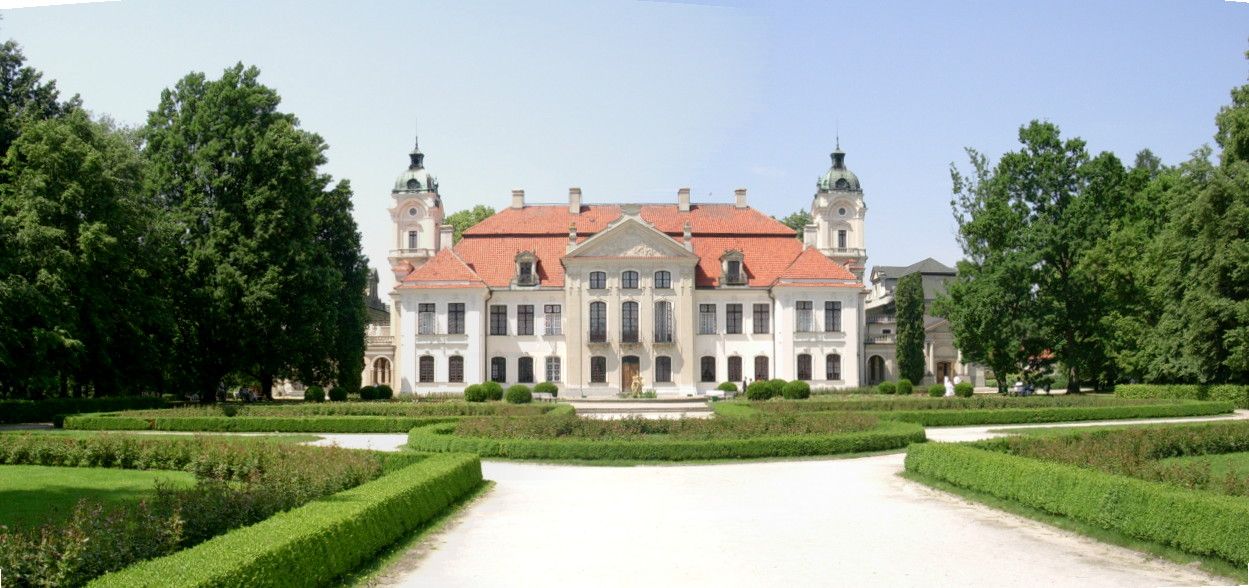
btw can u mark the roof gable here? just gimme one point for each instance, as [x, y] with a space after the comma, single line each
[630, 237]
[444, 270]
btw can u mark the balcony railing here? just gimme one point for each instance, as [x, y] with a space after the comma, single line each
[379, 340]
[629, 337]
[846, 250]
[598, 336]
[882, 320]
[663, 338]
[881, 339]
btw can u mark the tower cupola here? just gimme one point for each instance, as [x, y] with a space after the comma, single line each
[838, 177]
[416, 178]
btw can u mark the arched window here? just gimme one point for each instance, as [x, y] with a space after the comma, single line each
[804, 367]
[761, 367]
[735, 368]
[425, 369]
[598, 280]
[875, 370]
[708, 371]
[663, 369]
[629, 280]
[663, 279]
[663, 322]
[524, 370]
[455, 369]
[598, 322]
[381, 371]
[498, 369]
[629, 322]
[832, 367]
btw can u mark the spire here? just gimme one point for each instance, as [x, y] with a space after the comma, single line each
[839, 156]
[418, 158]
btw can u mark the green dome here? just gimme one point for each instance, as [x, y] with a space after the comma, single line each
[838, 178]
[416, 178]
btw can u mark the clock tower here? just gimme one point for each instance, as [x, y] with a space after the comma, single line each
[417, 215]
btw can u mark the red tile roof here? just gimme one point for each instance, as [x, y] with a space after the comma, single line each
[551, 219]
[811, 264]
[444, 270]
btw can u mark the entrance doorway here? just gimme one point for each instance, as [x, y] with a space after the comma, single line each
[943, 371]
[875, 370]
[630, 366]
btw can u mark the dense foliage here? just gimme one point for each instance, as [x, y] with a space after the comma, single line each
[518, 394]
[909, 349]
[464, 220]
[50, 409]
[1229, 392]
[685, 428]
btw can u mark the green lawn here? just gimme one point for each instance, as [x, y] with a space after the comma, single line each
[1221, 464]
[34, 495]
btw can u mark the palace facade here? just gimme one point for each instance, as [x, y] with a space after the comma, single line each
[684, 295]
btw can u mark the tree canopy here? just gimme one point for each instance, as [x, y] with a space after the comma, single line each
[464, 220]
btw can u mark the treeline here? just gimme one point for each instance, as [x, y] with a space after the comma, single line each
[1113, 273]
[204, 247]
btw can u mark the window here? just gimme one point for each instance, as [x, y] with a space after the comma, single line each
[455, 369]
[832, 367]
[425, 318]
[761, 319]
[553, 320]
[708, 369]
[841, 239]
[761, 367]
[498, 369]
[498, 319]
[425, 369]
[598, 280]
[803, 322]
[663, 369]
[733, 319]
[524, 319]
[832, 316]
[734, 273]
[381, 371]
[524, 370]
[598, 322]
[706, 319]
[663, 279]
[663, 322]
[553, 368]
[735, 368]
[804, 367]
[525, 276]
[598, 370]
[412, 239]
[629, 322]
[455, 318]
[629, 280]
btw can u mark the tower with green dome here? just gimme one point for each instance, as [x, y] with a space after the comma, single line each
[837, 213]
[417, 214]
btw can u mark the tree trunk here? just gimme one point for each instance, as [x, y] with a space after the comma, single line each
[266, 386]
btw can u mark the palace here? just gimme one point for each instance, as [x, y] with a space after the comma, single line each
[684, 295]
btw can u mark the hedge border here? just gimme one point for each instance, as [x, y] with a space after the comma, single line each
[319, 541]
[1196, 522]
[1004, 416]
[887, 435]
[1236, 393]
[53, 409]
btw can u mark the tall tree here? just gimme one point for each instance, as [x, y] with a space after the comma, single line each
[797, 221]
[464, 220]
[908, 299]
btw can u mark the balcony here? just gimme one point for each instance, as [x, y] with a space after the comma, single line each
[379, 340]
[881, 340]
[855, 251]
[630, 337]
[598, 337]
[420, 252]
[885, 319]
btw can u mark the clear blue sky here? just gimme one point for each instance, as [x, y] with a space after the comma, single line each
[632, 100]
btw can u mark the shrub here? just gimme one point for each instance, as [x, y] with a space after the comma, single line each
[368, 393]
[964, 389]
[797, 390]
[474, 393]
[778, 387]
[493, 390]
[547, 387]
[50, 409]
[758, 390]
[936, 390]
[519, 394]
[905, 387]
[727, 387]
[338, 394]
[1236, 393]
[384, 392]
[886, 388]
[314, 394]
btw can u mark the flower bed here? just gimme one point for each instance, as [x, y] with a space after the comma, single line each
[571, 438]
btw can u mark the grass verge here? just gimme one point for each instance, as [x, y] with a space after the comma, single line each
[39, 495]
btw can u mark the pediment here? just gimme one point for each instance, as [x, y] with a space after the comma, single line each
[630, 238]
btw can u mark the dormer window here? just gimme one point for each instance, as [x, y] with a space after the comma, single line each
[842, 184]
[733, 268]
[526, 269]
[413, 184]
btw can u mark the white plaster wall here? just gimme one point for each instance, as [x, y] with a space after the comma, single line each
[410, 345]
[722, 345]
[847, 342]
[538, 346]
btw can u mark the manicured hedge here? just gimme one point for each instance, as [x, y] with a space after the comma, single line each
[48, 409]
[320, 541]
[1196, 522]
[1238, 394]
[886, 435]
[934, 417]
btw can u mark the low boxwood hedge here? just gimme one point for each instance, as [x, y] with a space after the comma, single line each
[1197, 522]
[886, 435]
[1236, 393]
[320, 541]
[50, 409]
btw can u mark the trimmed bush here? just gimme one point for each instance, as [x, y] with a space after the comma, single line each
[936, 390]
[905, 388]
[338, 394]
[797, 390]
[51, 409]
[886, 388]
[727, 387]
[964, 389]
[519, 394]
[368, 393]
[474, 393]
[384, 392]
[314, 394]
[320, 541]
[758, 390]
[547, 387]
[778, 387]
[493, 390]
[1238, 394]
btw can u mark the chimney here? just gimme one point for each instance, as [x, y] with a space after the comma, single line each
[809, 235]
[446, 236]
[574, 201]
[518, 198]
[683, 200]
[740, 193]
